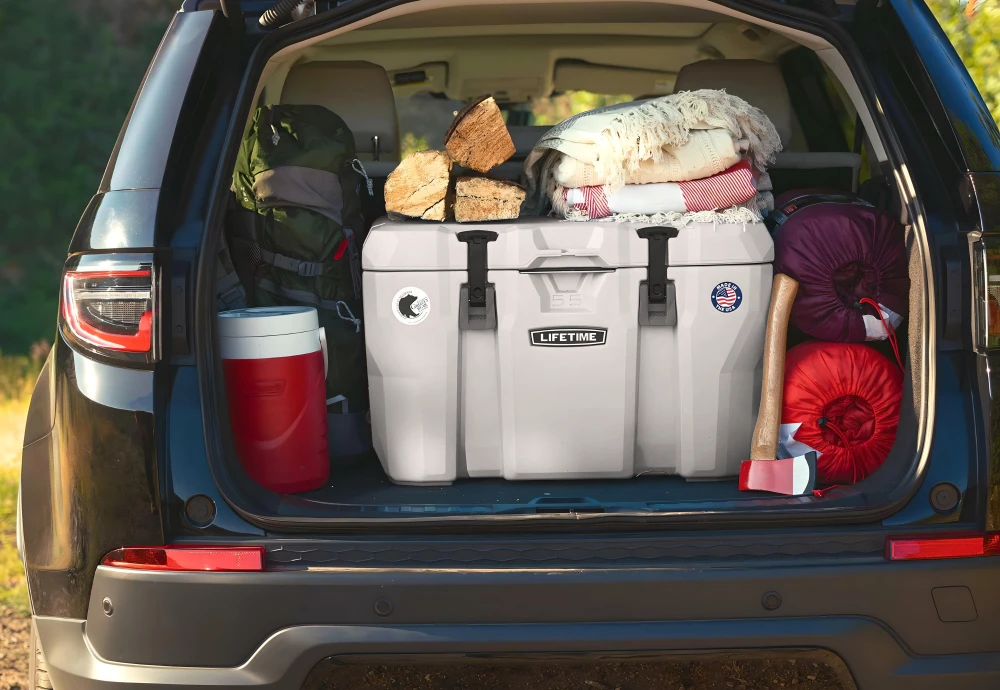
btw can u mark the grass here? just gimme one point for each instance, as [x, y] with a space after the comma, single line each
[17, 375]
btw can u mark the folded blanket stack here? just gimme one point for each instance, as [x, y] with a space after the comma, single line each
[693, 156]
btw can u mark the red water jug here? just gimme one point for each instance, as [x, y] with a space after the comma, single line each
[274, 361]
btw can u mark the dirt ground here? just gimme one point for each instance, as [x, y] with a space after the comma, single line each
[736, 675]
[14, 633]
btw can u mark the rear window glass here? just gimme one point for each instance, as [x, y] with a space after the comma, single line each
[556, 108]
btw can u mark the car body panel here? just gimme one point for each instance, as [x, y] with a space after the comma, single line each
[89, 485]
[111, 466]
[150, 131]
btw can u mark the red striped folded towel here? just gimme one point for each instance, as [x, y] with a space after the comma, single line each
[731, 187]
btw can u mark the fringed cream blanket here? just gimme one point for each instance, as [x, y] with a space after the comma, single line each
[615, 145]
[707, 152]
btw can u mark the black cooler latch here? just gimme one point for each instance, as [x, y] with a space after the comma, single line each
[477, 309]
[657, 295]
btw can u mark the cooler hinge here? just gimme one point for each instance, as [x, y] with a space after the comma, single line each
[657, 295]
[477, 310]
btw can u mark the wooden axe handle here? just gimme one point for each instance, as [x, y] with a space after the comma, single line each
[764, 445]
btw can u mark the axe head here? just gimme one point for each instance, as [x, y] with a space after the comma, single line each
[789, 476]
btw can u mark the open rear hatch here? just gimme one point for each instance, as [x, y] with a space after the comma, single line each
[563, 372]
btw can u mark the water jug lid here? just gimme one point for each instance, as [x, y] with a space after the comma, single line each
[262, 321]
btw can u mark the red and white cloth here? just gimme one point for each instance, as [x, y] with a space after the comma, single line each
[732, 187]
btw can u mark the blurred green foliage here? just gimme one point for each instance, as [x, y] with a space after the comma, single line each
[974, 29]
[555, 109]
[68, 72]
[412, 143]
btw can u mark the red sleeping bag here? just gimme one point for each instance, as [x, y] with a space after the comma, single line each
[841, 400]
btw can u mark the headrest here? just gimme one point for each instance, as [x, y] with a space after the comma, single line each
[758, 83]
[359, 92]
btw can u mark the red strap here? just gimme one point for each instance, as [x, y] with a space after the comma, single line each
[888, 328]
[827, 424]
[339, 254]
[818, 493]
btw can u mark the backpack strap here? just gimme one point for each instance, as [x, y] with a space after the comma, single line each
[776, 218]
[354, 258]
[341, 308]
[229, 291]
[241, 257]
[306, 269]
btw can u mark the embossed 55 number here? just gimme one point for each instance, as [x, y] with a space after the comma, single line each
[563, 300]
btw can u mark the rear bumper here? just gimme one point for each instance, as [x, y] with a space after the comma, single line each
[873, 655]
[269, 629]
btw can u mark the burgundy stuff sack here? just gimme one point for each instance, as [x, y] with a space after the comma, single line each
[848, 257]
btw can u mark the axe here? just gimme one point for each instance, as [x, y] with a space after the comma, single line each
[763, 471]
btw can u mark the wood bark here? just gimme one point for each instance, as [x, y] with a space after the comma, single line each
[418, 187]
[478, 137]
[486, 198]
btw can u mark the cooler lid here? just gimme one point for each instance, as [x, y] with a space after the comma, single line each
[540, 243]
[262, 321]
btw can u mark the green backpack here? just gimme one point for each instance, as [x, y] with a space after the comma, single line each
[295, 236]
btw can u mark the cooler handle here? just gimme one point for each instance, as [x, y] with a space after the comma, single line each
[326, 355]
[657, 294]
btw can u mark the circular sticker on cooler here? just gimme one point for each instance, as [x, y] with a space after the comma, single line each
[411, 305]
[727, 297]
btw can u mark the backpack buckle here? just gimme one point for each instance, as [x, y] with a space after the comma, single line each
[306, 269]
[309, 269]
[233, 298]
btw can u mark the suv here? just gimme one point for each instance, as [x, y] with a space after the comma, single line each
[153, 560]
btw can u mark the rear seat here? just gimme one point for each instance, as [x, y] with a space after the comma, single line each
[524, 137]
[360, 92]
[761, 84]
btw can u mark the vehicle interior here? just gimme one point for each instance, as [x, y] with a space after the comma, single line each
[399, 78]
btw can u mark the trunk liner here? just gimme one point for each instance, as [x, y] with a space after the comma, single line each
[365, 484]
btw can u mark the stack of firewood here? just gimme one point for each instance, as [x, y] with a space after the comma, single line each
[478, 139]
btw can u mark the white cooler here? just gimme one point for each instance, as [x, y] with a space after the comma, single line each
[549, 349]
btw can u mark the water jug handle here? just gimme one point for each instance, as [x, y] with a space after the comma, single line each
[326, 356]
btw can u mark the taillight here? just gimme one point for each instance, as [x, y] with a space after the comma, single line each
[188, 558]
[109, 306]
[944, 546]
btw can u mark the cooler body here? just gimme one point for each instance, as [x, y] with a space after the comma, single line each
[275, 360]
[567, 376]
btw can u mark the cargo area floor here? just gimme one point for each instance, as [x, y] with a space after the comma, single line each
[366, 485]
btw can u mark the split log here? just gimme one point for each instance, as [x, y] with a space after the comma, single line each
[418, 187]
[487, 198]
[478, 137]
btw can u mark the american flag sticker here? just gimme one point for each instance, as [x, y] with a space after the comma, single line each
[727, 297]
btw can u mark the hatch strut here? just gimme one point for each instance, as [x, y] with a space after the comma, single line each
[477, 310]
[657, 295]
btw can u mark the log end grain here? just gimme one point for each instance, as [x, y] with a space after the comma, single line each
[480, 199]
[418, 187]
[478, 137]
